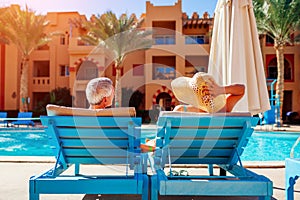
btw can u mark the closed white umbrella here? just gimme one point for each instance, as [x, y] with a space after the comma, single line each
[235, 55]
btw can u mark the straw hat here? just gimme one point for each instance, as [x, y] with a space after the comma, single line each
[194, 91]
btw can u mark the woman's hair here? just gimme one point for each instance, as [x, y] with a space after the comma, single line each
[97, 89]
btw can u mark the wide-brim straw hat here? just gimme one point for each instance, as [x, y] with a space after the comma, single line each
[194, 91]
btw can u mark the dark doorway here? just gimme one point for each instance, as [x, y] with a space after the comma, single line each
[164, 101]
[287, 103]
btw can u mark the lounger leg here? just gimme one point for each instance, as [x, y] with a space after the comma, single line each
[154, 188]
[211, 169]
[145, 187]
[290, 182]
[76, 169]
[32, 194]
[34, 197]
[291, 175]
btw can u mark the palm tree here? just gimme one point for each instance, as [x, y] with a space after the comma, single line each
[25, 29]
[118, 37]
[297, 37]
[278, 19]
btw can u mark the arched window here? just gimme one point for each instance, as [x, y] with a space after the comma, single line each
[164, 100]
[269, 41]
[272, 69]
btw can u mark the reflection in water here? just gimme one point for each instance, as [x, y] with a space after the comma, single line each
[270, 146]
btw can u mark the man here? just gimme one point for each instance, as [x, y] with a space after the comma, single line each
[100, 93]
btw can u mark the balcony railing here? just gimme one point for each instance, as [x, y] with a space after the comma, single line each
[164, 39]
[196, 39]
[41, 81]
[164, 73]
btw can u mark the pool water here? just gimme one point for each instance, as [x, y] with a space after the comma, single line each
[271, 146]
[24, 143]
[262, 146]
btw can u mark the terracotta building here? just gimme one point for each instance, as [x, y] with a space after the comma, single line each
[291, 73]
[181, 46]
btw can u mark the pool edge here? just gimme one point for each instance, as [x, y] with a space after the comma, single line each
[51, 159]
[27, 159]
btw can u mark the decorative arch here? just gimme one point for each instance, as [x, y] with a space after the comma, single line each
[77, 63]
[166, 90]
[271, 67]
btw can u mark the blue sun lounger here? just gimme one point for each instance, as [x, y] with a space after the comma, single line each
[3, 115]
[193, 138]
[93, 140]
[292, 172]
[21, 121]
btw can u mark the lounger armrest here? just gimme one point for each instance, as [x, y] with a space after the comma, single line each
[54, 110]
[197, 114]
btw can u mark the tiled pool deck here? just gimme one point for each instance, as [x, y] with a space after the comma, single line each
[16, 171]
[287, 128]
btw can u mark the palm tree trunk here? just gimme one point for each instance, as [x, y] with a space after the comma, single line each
[24, 85]
[280, 79]
[118, 91]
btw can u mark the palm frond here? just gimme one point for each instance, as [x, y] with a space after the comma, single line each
[277, 18]
[117, 36]
[23, 28]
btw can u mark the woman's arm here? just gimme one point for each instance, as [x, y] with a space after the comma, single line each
[233, 94]
[234, 89]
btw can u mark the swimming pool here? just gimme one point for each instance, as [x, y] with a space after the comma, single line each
[24, 143]
[271, 146]
[262, 146]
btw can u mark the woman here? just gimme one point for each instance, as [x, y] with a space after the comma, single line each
[203, 94]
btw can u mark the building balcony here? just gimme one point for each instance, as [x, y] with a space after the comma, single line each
[196, 39]
[164, 39]
[40, 84]
[40, 55]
